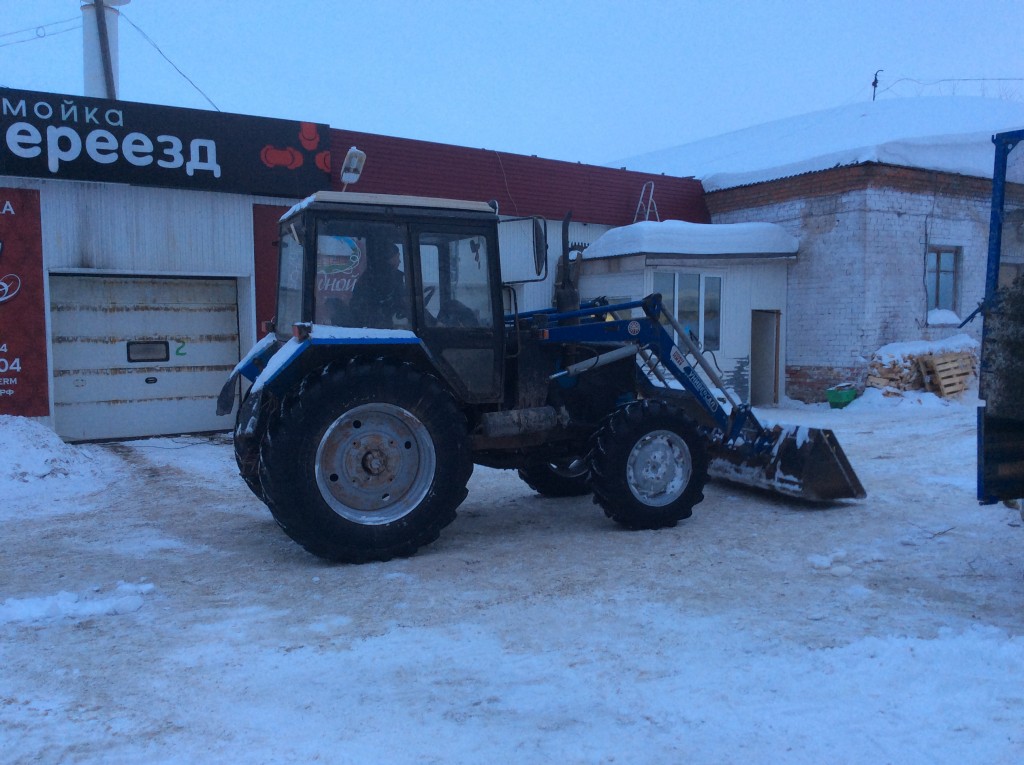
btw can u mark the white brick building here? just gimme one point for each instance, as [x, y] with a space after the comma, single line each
[890, 203]
[861, 279]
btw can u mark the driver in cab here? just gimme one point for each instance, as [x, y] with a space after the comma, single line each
[380, 298]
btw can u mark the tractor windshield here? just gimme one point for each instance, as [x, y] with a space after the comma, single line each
[361, 275]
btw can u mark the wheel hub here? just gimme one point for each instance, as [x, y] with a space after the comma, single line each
[375, 463]
[659, 467]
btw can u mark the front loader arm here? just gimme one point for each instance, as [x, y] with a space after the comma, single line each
[648, 334]
[792, 460]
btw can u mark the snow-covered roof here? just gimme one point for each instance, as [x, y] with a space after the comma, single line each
[951, 134]
[676, 237]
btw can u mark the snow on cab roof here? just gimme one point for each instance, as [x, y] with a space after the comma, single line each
[950, 134]
[676, 237]
[393, 200]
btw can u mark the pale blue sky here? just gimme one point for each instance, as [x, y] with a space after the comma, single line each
[580, 81]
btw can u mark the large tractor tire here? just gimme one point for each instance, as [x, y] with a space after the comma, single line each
[569, 478]
[367, 462]
[648, 466]
[251, 423]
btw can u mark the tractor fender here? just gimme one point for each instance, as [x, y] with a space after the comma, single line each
[280, 362]
[249, 367]
[279, 372]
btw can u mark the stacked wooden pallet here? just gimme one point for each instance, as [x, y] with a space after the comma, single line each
[947, 374]
[901, 373]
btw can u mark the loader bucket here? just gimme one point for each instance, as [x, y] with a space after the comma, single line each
[807, 463]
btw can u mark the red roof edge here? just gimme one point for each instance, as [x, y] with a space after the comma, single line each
[522, 185]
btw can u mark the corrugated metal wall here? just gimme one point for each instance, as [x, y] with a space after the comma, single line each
[134, 229]
[150, 236]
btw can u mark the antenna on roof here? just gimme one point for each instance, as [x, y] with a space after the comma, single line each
[874, 84]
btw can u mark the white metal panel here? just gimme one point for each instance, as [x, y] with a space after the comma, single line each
[615, 287]
[99, 393]
[747, 285]
[135, 229]
[515, 240]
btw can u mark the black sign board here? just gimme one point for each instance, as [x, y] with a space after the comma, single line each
[47, 135]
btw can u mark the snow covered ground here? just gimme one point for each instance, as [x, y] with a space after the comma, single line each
[152, 612]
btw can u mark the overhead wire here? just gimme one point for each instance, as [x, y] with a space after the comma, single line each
[44, 28]
[41, 31]
[930, 83]
[156, 47]
[37, 27]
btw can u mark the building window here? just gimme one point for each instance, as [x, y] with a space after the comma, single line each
[696, 300]
[940, 272]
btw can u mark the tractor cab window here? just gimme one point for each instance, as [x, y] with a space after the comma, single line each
[360, 276]
[290, 278]
[455, 280]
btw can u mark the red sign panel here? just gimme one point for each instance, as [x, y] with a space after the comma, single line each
[24, 375]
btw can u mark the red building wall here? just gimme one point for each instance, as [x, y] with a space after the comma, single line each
[522, 185]
[24, 374]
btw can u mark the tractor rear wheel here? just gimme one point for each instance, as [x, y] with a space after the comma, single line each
[366, 462]
[566, 478]
[250, 425]
[648, 466]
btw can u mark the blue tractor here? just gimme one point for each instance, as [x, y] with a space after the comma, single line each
[398, 360]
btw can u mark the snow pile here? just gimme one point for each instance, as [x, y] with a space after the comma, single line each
[124, 599]
[37, 460]
[941, 316]
[951, 134]
[902, 352]
[881, 399]
[676, 237]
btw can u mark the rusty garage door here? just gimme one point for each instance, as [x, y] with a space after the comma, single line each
[140, 356]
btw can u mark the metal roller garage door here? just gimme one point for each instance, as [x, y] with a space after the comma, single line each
[140, 356]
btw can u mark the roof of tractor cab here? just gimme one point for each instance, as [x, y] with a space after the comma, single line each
[389, 200]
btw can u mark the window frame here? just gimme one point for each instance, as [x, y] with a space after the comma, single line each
[671, 302]
[933, 277]
[448, 264]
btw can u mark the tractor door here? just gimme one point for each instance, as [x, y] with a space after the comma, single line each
[460, 308]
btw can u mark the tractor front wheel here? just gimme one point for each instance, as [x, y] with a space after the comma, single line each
[648, 466]
[567, 478]
[368, 462]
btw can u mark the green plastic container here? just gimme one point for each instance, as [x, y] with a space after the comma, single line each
[840, 396]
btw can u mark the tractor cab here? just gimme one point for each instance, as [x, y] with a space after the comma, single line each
[374, 269]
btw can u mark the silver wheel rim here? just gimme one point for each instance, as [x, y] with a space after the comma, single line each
[658, 468]
[375, 464]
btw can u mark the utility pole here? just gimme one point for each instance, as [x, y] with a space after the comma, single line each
[108, 68]
[874, 84]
